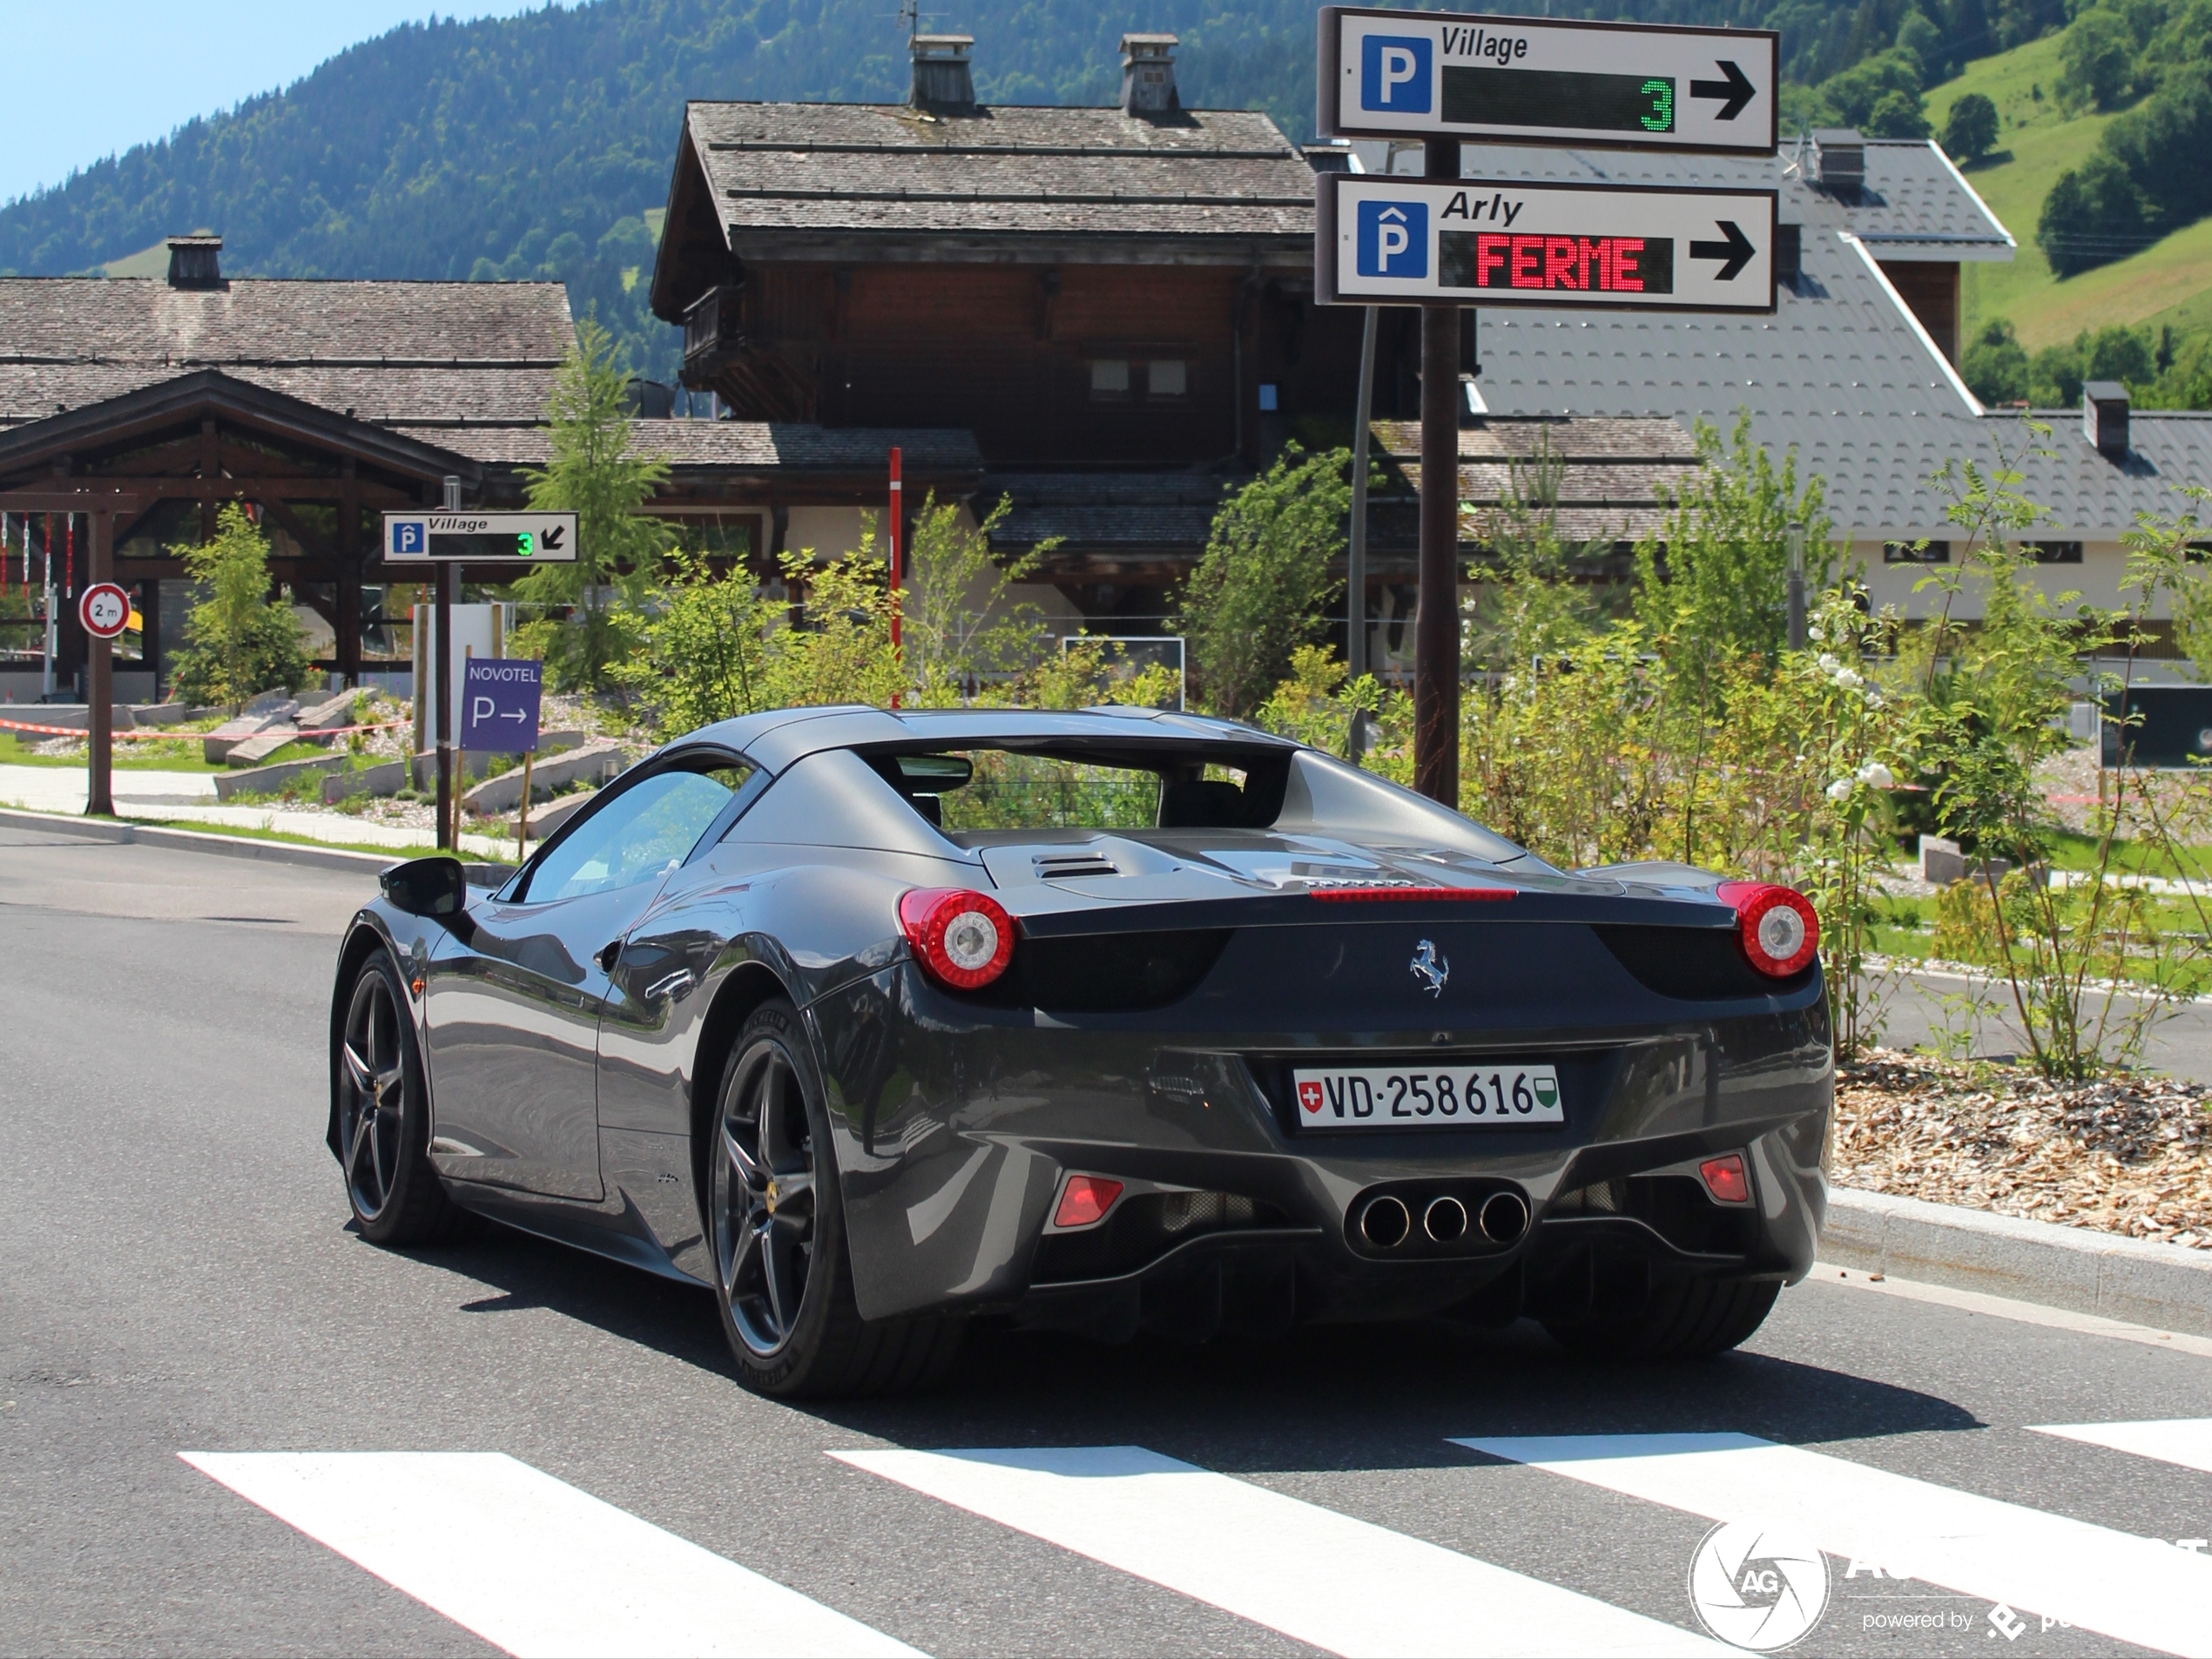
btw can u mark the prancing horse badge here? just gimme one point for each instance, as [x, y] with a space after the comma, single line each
[1430, 968]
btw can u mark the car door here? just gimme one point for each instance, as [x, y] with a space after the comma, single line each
[514, 996]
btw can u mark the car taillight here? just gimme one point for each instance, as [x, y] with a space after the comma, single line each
[1725, 1179]
[963, 939]
[1778, 926]
[1085, 1199]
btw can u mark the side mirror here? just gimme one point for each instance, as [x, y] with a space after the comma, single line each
[432, 887]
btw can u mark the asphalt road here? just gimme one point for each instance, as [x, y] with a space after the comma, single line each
[1949, 1011]
[177, 1276]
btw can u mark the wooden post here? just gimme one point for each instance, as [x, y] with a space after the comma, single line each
[448, 575]
[522, 818]
[1436, 624]
[99, 769]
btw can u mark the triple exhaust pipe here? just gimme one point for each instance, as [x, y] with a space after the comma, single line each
[1386, 1223]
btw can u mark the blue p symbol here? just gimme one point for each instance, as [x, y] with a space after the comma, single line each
[1393, 238]
[407, 536]
[1394, 74]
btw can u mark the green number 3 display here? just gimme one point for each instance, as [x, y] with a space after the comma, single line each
[1662, 93]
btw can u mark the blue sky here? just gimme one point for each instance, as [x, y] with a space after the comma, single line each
[85, 78]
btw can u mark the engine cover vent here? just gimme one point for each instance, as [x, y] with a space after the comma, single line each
[1053, 866]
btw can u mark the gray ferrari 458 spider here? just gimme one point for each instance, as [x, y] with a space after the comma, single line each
[1120, 1020]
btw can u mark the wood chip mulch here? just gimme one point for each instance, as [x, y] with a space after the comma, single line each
[2130, 1154]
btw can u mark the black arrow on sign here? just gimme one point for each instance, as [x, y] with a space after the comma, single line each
[551, 539]
[1734, 253]
[1736, 89]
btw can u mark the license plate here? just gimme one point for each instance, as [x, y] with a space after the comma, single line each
[1437, 1098]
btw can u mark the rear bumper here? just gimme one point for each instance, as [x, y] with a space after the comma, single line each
[956, 1127]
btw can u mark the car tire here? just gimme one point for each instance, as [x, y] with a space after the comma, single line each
[775, 1220]
[1685, 1319]
[384, 1118]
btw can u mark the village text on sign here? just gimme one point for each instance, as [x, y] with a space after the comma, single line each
[1388, 240]
[1536, 80]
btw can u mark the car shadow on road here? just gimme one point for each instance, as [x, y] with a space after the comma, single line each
[1371, 1397]
[1324, 1398]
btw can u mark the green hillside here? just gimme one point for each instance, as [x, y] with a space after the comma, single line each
[2162, 294]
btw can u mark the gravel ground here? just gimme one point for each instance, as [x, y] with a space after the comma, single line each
[2130, 1156]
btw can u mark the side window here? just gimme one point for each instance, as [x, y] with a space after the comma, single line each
[636, 835]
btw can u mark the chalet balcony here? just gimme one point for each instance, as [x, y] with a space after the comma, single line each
[712, 332]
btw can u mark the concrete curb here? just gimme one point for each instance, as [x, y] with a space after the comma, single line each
[2133, 1280]
[231, 847]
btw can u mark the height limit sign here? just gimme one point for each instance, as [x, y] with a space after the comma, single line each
[1536, 80]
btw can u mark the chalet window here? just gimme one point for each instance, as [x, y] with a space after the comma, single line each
[2054, 552]
[1909, 553]
[1139, 379]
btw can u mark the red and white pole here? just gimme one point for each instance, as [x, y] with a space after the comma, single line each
[898, 535]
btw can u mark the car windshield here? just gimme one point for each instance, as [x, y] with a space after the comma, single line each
[982, 793]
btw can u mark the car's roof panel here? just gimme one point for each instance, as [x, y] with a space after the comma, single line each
[780, 737]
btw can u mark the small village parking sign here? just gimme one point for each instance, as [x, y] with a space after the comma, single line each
[499, 702]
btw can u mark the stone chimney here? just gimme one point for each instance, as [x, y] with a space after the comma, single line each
[1148, 75]
[941, 77]
[195, 261]
[2104, 418]
[1839, 161]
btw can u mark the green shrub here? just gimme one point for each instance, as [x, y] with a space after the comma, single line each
[1970, 130]
[239, 639]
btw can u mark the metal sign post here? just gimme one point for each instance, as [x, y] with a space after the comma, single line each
[447, 539]
[97, 612]
[1536, 80]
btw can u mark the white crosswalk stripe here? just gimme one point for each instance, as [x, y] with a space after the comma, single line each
[530, 1563]
[1327, 1579]
[2185, 1440]
[2135, 1589]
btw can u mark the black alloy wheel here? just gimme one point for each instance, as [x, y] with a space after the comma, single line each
[777, 1219]
[383, 1118]
[765, 1212]
[375, 1097]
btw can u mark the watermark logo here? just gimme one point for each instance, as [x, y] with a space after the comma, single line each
[2006, 1622]
[1759, 1586]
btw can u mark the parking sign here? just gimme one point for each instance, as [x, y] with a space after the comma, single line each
[1394, 74]
[1393, 238]
[499, 703]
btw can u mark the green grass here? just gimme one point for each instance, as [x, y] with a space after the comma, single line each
[182, 754]
[2168, 284]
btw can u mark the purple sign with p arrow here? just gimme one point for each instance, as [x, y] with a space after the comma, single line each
[499, 704]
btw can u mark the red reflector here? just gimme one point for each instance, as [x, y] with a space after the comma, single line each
[1367, 896]
[1725, 1180]
[1085, 1198]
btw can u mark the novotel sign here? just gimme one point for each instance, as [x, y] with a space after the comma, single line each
[1537, 80]
[1386, 241]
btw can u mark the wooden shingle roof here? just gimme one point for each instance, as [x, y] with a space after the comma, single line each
[794, 181]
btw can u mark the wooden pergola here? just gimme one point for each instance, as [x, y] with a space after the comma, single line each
[203, 438]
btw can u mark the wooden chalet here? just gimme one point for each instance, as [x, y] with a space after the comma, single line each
[1117, 302]
[130, 410]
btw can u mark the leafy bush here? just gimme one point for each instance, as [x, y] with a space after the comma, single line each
[1854, 94]
[1995, 364]
[1896, 115]
[2094, 215]
[594, 474]
[2097, 55]
[239, 640]
[1970, 130]
[1258, 590]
